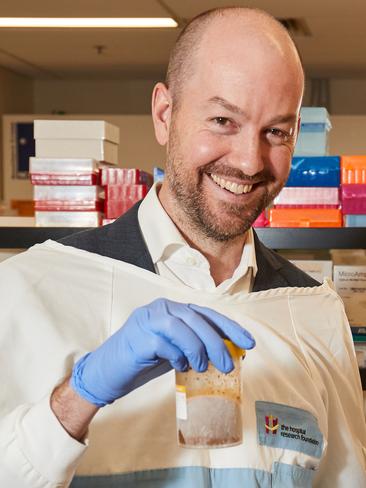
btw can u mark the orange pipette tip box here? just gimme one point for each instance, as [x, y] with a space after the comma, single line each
[353, 170]
[305, 217]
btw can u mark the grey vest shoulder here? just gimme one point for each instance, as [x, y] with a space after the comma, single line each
[123, 240]
[120, 240]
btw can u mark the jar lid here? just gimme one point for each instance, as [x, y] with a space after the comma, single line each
[235, 351]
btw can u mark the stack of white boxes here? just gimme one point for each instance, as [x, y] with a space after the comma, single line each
[65, 171]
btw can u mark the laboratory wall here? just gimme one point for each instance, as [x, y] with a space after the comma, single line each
[16, 96]
[346, 96]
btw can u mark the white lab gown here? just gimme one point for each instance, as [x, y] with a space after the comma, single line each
[57, 303]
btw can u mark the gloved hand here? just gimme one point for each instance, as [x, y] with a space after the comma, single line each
[156, 338]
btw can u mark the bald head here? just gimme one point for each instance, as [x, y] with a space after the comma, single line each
[241, 24]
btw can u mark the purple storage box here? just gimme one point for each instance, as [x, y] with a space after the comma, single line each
[353, 199]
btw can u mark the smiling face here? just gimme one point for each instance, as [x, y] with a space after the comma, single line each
[231, 139]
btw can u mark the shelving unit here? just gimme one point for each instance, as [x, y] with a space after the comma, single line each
[313, 238]
[275, 238]
[24, 237]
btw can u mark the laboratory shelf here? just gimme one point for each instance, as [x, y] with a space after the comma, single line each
[313, 238]
[275, 238]
[24, 237]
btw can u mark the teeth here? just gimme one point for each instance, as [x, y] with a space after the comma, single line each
[231, 186]
[234, 187]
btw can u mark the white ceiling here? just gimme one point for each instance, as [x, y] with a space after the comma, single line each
[337, 46]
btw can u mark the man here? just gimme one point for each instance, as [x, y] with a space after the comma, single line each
[229, 115]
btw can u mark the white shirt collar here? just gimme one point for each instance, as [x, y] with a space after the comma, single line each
[166, 244]
[157, 227]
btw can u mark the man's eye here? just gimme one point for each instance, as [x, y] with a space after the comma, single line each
[222, 121]
[279, 135]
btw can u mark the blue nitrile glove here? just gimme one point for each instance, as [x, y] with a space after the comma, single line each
[156, 338]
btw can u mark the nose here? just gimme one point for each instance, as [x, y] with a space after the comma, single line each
[247, 152]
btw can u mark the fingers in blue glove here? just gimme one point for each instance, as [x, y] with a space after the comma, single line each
[223, 325]
[232, 330]
[163, 321]
[214, 345]
[165, 350]
[198, 332]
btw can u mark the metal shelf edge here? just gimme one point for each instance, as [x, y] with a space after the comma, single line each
[275, 238]
[24, 237]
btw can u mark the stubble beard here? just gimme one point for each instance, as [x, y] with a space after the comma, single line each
[187, 190]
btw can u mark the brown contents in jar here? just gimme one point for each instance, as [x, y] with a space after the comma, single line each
[212, 421]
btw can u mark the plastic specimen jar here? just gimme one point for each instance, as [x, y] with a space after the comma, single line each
[208, 405]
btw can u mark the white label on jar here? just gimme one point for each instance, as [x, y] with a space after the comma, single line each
[181, 402]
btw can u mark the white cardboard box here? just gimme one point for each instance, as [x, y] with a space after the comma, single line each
[317, 269]
[102, 150]
[76, 129]
[67, 219]
[66, 165]
[350, 283]
[68, 193]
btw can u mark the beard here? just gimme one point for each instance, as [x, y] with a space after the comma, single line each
[230, 220]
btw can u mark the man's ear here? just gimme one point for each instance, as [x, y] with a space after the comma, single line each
[161, 107]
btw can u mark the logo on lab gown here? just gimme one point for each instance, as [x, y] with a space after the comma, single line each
[288, 427]
[271, 424]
